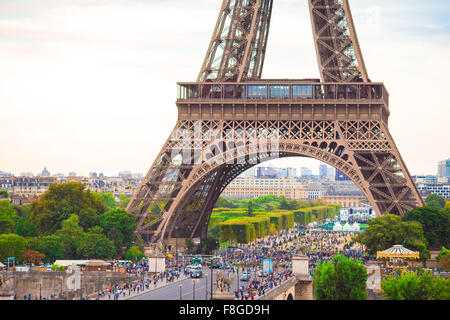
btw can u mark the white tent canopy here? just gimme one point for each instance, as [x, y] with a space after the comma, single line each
[337, 226]
[347, 227]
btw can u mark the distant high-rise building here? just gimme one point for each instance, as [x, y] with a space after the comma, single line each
[331, 172]
[93, 174]
[282, 172]
[72, 174]
[137, 175]
[425, 179]
[267, 172]
[291, 172]
[125, 174]
[339, 176]
[305, 172]
[444, 168]
[323, 170]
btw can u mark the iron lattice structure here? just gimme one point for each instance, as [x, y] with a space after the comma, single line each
[231, 119]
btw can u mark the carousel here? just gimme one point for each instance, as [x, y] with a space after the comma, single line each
[397, 256]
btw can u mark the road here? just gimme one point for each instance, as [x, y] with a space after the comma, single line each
[202, 287]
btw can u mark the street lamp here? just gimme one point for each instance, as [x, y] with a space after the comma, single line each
[211, 279]
[206, 288]
[193, 290]
[181, 287]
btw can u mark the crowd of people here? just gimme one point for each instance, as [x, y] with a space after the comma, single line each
[258, 288]
[317, 244]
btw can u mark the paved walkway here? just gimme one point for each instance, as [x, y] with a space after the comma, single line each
[131, 293]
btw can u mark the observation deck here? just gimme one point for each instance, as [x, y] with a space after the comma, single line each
[282, 100]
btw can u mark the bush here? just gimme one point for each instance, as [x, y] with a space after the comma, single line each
[134, 254]
[12, 245]
[340, 279]
[444, 262]
[415, 286]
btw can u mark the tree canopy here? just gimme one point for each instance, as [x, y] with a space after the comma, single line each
[12, 245]
[8, 217]
[134, 254]
[385, 231]
[94, 244]
[414, 286]
[340, 279]
[71, 234]
[435, 200]
[52, 246]
[435, 224]
[63, 200]
[118, 225]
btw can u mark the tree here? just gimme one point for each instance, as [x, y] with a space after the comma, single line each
[250, 208]
[3, 194]
[8, 217]
[189, 245]
[108, 200]
[415, 286]
[119, 226]
[51, 246]
[123, 201]
[444, 262]
[210, 244]
[71, 234]
[224, 203]
[32, 256]
[60, 202]
[443, 252]
[284, 205]
[435, 200]
[95, 245]
[134, 254]
[340, 279]
[435, 224]
[24, 226]
[12, 245]
[388, 230]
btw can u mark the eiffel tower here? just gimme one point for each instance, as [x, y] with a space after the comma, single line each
[231, 119]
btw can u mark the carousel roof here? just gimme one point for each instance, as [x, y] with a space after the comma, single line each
[398, 251]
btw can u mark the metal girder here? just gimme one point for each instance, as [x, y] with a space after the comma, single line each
[342, 124]
[238, 44]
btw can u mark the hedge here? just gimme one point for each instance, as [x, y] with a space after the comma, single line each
[236, 225]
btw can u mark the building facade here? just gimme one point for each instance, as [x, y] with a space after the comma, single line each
[251, 187]
[444, 169]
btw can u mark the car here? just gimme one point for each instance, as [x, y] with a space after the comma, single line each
[245, 277]
[255, 283]
[196, 274]
[262, 273]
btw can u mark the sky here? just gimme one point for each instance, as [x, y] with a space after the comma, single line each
[90, 85]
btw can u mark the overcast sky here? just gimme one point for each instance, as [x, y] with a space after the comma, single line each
[90, 85]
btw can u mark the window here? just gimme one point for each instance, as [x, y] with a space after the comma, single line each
[302, 91]
[256, 91]
[279, 92]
